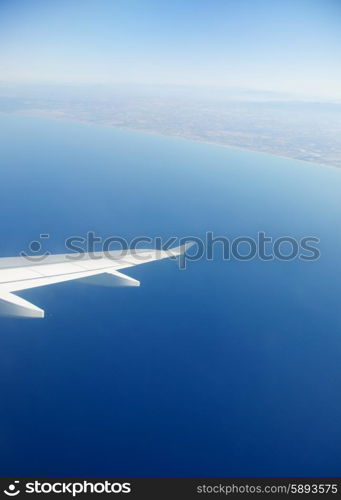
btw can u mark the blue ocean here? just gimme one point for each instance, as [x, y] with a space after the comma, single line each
[226, 368]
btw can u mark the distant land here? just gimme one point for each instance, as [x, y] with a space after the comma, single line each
[302, 129]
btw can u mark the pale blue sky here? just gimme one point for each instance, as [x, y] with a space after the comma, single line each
[280, 45]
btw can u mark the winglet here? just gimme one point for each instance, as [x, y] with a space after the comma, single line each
[180, 250]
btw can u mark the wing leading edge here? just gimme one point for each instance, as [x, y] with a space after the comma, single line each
[99, 268]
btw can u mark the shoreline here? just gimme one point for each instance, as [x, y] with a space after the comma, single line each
[172, 136]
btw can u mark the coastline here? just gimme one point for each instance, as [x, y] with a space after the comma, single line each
[62, 117]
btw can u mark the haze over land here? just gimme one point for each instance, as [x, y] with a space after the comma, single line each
[179, 69]
[269, 122]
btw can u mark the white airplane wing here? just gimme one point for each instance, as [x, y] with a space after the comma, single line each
[21, 273]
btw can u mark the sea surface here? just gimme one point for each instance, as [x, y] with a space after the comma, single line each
[227, 368]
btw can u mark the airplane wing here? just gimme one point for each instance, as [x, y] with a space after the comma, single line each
[21, 273]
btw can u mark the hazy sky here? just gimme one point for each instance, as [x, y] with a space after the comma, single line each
[281, 45]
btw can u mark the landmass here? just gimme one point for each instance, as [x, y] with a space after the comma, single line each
[300, 129]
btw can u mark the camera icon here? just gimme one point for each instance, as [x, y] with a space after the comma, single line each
[12, 490]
